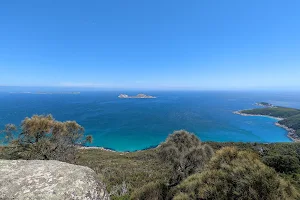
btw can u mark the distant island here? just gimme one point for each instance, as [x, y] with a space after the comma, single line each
[288, 118]
[139, 96]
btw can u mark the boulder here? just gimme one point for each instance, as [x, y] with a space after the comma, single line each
[41, 179]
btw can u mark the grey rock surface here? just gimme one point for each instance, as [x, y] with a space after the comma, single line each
[40, 179]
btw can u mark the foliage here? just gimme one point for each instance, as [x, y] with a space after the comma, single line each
[298, 132]
[135, 173]
[136, 169]
[283, 163]
[292, 122]
[282, 112]
[185, 153]
[119, 190]
[151, 191]
[42, 137]
[233, 174]
[9, 132]
[124, 197]
[289, 150]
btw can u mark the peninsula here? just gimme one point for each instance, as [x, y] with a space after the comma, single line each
[139, 96]
[288, 118]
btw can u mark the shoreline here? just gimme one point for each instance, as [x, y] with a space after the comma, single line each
[115, 151]
[100, 148]
[252, 115]
[291, 133]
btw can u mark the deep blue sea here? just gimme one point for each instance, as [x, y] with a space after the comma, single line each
[134, 124]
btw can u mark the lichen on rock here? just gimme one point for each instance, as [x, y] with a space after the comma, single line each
[41, 179]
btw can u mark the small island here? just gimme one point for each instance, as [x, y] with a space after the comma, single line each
[139, 96]
[288, 118]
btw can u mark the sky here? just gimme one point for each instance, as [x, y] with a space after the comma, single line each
[150, 44]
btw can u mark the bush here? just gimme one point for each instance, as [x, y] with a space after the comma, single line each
[185, 153]
[233, 174]
[151, 191]
[42, 137]
[283, 163]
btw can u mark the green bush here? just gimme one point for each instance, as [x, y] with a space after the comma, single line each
[283, 163]
[234, 174]
[151, 191]
[185, 153]
[42, 137]
[125, 197]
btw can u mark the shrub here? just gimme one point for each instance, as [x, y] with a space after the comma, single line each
[233, 174]
[151, 191]
[42, 137]
[283, 163]
[185, 153]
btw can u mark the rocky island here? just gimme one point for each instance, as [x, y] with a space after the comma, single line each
[288, 118]
[139, 96]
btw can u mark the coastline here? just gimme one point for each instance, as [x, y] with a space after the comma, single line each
[115, 151]
[251, 115]
[291, 133]
[99, 148]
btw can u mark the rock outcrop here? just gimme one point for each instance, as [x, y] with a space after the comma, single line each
[40, 179]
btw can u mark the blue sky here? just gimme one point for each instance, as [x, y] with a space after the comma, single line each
[157, 44]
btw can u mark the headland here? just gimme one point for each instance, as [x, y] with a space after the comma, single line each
[288, 118]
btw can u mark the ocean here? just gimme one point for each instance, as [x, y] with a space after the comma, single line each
[135, 124]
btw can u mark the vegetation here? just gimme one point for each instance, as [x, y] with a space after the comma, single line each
[292, 122]
[291, 116]
[282, 163]
[42, 137]
[151, 191]
[180, 168]
[234, 174]
[281, 112]
[143, 170]
[185, 153]
[135, 169]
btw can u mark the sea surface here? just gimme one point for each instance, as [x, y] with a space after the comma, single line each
[135, 124]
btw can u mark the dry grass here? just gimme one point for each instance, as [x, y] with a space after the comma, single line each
[136, 169]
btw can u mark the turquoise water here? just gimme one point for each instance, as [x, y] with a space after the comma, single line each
[134, 124]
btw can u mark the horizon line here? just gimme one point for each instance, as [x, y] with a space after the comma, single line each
[295, 88]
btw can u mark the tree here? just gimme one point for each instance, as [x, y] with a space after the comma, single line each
[233, 174]
[283, 163]
[185, 153]
[42, 137]
[9, 132]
